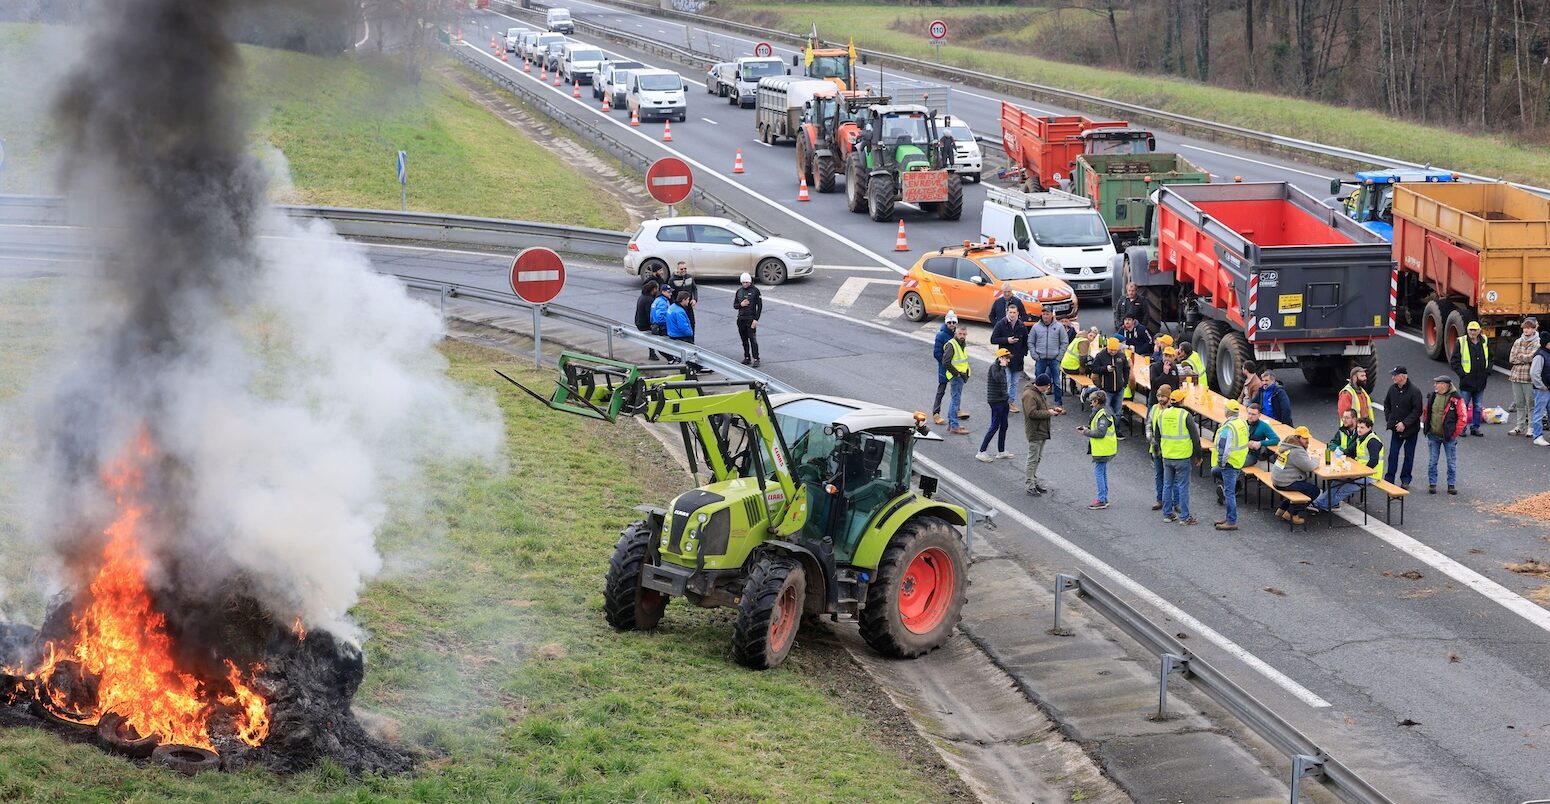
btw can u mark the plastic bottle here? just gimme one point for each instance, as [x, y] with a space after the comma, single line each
[1336, 455]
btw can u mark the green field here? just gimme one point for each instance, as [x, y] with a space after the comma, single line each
[872, 26]
[340, 123]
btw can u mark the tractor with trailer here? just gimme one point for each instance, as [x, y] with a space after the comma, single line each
[779, 104]
[1263, 272]
[1121, 185]
[1369, 198]
[1044, 149]
[900, 156]
[812, 506]
[828, 135]
[1471, 252]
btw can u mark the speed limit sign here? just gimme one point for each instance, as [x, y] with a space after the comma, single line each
[763, 50]
[938, 30]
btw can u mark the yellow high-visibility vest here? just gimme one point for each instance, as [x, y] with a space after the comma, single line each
[1199, 365]
[1464, 359]
[1364, 453]
[1238, 452]
[1109, 443]
[1173, 434]
[960, 359]
[1072, 359]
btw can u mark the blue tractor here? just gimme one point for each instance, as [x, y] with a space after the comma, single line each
[1371, 198]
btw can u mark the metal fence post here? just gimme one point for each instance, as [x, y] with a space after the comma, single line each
[1304, 766]
[538, 339]
[1063, 582]
[443, 305]
[1170, 662]
[610, 331]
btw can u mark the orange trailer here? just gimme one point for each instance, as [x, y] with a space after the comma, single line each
[1042, 146]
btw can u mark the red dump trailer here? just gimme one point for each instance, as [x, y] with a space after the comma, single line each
[1042, 146]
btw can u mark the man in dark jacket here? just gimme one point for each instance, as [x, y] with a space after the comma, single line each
[1164, 372]
[1011, 333]
[1037, 412]
[1402, 417]
[998, 310]
[949, 324]
[1472, 360]
[1131, 305]
[1132, 334]
[643, 302]
[749, 305]
[682, 282]
[1444, 419]
[1274, 401]
[1111, 373]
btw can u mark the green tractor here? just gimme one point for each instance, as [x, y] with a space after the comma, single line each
[901, 156]
[812, 507]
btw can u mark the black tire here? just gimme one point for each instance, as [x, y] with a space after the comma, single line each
[1458, 321]
[185, 759]
[121, 738]
[880, 198]
[1207, 339]
[952, 208]
[1231, 355]
[731, 99]
[1320, 374]
[855, 185]
[770, 271]
[626, 605]
[766, 628]
[1433, 319]
[882, 621]
[1370, 364]
[1134, 263]
[651, 265]
[823, 170]
[974, 178]
[914, 307]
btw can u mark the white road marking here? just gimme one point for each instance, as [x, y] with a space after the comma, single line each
[1255, 161]
[765, 144]
[890, 312]
[710, 121]
[853, 287]
[866, 268]
[1417, 338]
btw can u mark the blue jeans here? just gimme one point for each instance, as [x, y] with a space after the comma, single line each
[1176, 487]
[1101, 478]
[1116, 405]
[998, 413]
[1541, 406]
[954, 398]
[1229, 478]
[1475, 400]
[1014, 384]
[1407, 442]
[1050, 366]
[1339, 493]
[1436, 445]
[1157, 472]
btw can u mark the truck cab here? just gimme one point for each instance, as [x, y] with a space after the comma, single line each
[1061, 232]
[833, 64]
[1371, 198]
[738, 80]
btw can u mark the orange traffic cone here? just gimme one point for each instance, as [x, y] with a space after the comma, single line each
[575, 89]
[737, 164]
[667, 131]
[543, 73]
[634, 118]
[503, 55]
[527, 67]
[492, 41]
[802, 188]
[901, 244]
[607, 108]
[556, 76]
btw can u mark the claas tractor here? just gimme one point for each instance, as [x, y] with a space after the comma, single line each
[828, 135]
[812, 507]
[900, 156]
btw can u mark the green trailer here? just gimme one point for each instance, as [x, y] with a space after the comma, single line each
[1121, 186]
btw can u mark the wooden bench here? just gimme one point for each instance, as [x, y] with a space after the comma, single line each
[1262, 474]
[1395, 493]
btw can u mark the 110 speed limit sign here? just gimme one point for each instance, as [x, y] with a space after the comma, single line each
[938, 30]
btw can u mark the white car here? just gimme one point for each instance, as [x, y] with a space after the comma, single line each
[967, 158]
[613, 79]
[579, 62]
[657, 93]
[715, 247]
[514, 37]
[538, 46]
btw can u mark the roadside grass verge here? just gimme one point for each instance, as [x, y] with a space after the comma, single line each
[488, 653]
[1359, 129]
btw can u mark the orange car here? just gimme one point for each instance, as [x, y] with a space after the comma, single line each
[966, 279]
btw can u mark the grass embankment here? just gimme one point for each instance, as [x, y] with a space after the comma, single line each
[1334, 125]
[340, 124]
[489, 650]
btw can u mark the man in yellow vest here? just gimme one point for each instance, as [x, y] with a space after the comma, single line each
[1230, 453]
[1369, 453]
[1162, 393]
[1354, 395]
[955, 367]
[1102, 445]
[1190, 364]
[1176, 438]
[1472, 361]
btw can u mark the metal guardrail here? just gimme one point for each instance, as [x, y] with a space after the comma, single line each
[1308, 760]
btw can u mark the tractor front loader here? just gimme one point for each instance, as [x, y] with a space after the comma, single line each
[811, 506]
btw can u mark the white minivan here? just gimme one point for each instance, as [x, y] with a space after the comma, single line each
[559, 21]
[657, 93]
[1061, 232]
[579, 62]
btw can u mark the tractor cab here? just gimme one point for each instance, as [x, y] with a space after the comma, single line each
[1371, 198]
[1118, 141]
[901, 137]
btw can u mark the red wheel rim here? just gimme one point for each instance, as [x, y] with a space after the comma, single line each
[1431, 332]
[783, 622]
[927, 590]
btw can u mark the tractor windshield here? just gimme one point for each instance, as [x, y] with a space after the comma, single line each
[904, 129]
[802, 423]
[830, 67]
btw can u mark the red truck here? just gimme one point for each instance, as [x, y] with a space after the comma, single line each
[1266, 272]
[1044, 148]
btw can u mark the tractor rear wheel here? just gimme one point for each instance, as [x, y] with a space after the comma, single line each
[1432, 321]
[824, 171]
[952, 208]
[1231, 356]
[880, 198]
[626, 604]
[917, 598]
[1208, 336]
[770, 613]
[855, 185]
[1367, 363]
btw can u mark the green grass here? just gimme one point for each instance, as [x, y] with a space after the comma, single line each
[489, 651]
[1333, 125]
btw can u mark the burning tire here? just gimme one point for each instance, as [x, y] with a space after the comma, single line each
[626, 604]
[185, 759]
[121, 738]
[770, 613]
[917, 599]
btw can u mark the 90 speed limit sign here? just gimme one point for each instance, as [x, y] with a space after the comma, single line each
[937, 30]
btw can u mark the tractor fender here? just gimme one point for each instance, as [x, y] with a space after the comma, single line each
[874, 540]
[823, 152]
[823, 589]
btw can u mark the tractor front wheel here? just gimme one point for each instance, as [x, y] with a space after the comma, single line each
[880, 197]
[952, 208]
[825, 174]
[626, 604]
[855, 185]
[917, 598]
[769, 614]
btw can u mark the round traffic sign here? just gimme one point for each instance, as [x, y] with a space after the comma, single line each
[669, 180]
[763, 49]
[537, 275]
[937, 29]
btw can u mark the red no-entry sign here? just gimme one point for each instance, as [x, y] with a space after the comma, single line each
[537, 275]
[669, 180]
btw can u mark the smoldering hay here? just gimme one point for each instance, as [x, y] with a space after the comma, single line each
[291, 394]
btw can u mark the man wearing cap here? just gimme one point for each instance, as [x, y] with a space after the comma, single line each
[943, 335]
[1294, 472]
[1354, 395]
[1161, 400]
[996, 394]
[1011, 333]
[1229, 455]
[1047, 342]
[1111, 374]
[1159, 344]
[1445, 417]
[1037, 413]
[1135, 336]
[1402, 416]
[1176, 437]
[1102, 445]
[1008, 298]
[955, 364]
[1164, 372]
[1368, 451]
[659, 309]
[1472, 361]
[749, 305]
[1521, 361]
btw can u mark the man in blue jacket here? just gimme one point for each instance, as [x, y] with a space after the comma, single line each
[659, 310]
[1274, 401]
[949, 325]
[680, 327]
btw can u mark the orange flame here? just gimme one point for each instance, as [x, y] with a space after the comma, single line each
[121, 641]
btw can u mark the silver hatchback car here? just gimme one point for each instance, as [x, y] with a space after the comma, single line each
[715, 247]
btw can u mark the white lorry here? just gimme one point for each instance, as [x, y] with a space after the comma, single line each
[1061, 232]
[738, 80]
[779, 103]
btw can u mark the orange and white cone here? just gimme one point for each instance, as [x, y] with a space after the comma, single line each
[575, 89]
[667, 131]
[634, 118]
[527, 67]
[492, 43]
[802, 189]
[901, 244]
[543, 73]
[556, 76]
[606, 106]
[737, 164]
[503, 55]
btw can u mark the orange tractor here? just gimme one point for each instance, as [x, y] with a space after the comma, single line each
[828, 135]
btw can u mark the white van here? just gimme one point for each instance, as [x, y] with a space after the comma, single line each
[1061, 232]
[579, 62]
[657, 93]
[559, 21]
[538, 46]
[513, 37]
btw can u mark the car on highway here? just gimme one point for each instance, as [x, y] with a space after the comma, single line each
[579, 62]
[538, 46]
[968, 161]
[553, 52]
[967, 278]
[738, 81]
[715, 247]
[559, 20]
[1062, 233]
[657, 93]
[613, 79]
[514, 37]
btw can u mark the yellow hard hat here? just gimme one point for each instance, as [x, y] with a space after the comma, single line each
[1170, 352]
[1178, 396]
[1003, 352]
[1112, 343]
[1165, 340]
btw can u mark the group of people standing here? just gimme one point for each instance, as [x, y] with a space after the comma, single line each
[666, 308]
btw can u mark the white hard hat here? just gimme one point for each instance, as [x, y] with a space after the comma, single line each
[745, 278]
